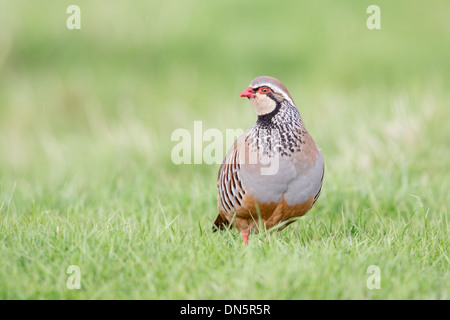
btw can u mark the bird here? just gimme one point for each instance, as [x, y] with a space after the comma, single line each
[274, 171]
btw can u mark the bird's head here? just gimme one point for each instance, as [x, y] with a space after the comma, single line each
[266, 94]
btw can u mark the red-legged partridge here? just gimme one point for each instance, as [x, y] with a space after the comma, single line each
[274, 171]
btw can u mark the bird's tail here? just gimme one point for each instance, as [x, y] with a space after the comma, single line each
[220, 224]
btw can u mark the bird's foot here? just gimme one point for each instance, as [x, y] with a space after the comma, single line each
[245, 236]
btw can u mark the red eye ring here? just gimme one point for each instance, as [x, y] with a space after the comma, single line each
[264, 90]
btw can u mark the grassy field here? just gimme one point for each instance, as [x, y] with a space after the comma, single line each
[86, 176]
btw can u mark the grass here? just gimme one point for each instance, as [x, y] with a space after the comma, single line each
[86, 176]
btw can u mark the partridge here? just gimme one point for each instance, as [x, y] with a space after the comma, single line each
[274, 171]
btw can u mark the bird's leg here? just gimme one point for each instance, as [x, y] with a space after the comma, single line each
[245, 236]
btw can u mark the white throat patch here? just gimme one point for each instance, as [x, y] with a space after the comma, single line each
[263, 105]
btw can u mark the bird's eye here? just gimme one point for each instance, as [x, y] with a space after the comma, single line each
[264, 90]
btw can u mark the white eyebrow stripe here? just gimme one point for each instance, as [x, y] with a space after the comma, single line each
[270, 85]
[274, 88]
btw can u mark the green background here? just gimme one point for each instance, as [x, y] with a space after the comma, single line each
[86, 176]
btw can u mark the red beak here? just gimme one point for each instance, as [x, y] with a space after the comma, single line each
[248, 93]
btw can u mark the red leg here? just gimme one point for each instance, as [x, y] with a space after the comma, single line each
[245, 236]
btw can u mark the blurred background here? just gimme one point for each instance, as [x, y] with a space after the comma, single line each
[86, 115]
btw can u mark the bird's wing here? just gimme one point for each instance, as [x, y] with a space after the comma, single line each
[231, 189]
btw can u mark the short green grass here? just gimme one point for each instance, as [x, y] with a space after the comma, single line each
[86, 177]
